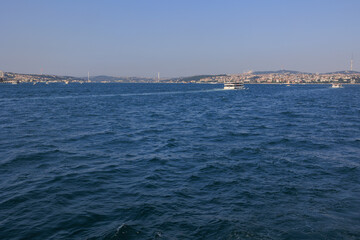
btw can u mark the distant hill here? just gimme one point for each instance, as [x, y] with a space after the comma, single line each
[279, 72]
[344, 72]
[197, 77]
[104, 78]
[298, 72]
[11, 75]
[25, 77]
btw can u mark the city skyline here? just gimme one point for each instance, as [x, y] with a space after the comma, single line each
[178, 38]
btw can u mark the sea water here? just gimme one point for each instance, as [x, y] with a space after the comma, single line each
[179, 161]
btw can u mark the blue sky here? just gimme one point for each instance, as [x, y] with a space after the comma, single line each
[177, 37]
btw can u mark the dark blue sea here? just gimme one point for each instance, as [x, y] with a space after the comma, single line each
[179, 161]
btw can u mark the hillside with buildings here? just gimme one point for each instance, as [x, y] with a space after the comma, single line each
[275, 77]
[15, 78]
[263, 77]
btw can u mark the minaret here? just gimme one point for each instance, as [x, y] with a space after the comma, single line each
[88, 76]
[158, 76]
[351, 63]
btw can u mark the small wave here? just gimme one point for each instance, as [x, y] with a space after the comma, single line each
[123, 232]
[194, 178]
[158, 160]
[241, 134]
[279, 141]
[290, 114]
[347, 169]
[154, 177]
[209, 168]
[28, 158]
[290, 191]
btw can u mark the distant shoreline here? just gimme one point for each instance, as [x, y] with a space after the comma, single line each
[268, 77]
[44, 83]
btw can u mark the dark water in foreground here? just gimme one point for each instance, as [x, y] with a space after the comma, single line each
[153, 161]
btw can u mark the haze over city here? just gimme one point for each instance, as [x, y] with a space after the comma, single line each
[177, 38]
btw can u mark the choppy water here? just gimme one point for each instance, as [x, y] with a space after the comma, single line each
[153, 161]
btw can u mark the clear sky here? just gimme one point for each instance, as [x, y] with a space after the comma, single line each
[177, 37]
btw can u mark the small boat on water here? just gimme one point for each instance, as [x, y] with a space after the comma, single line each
[233, 86]
[336, 85]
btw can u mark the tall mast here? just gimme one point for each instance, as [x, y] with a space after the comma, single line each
[88, 76]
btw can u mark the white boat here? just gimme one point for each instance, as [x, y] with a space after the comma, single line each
[336, 85]
[234, 86]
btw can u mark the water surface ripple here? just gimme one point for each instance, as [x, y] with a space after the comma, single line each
[172, 161]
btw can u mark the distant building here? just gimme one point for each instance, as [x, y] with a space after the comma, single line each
[2, 76]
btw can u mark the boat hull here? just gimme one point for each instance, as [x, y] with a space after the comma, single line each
[336, 85]
[233, 86]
